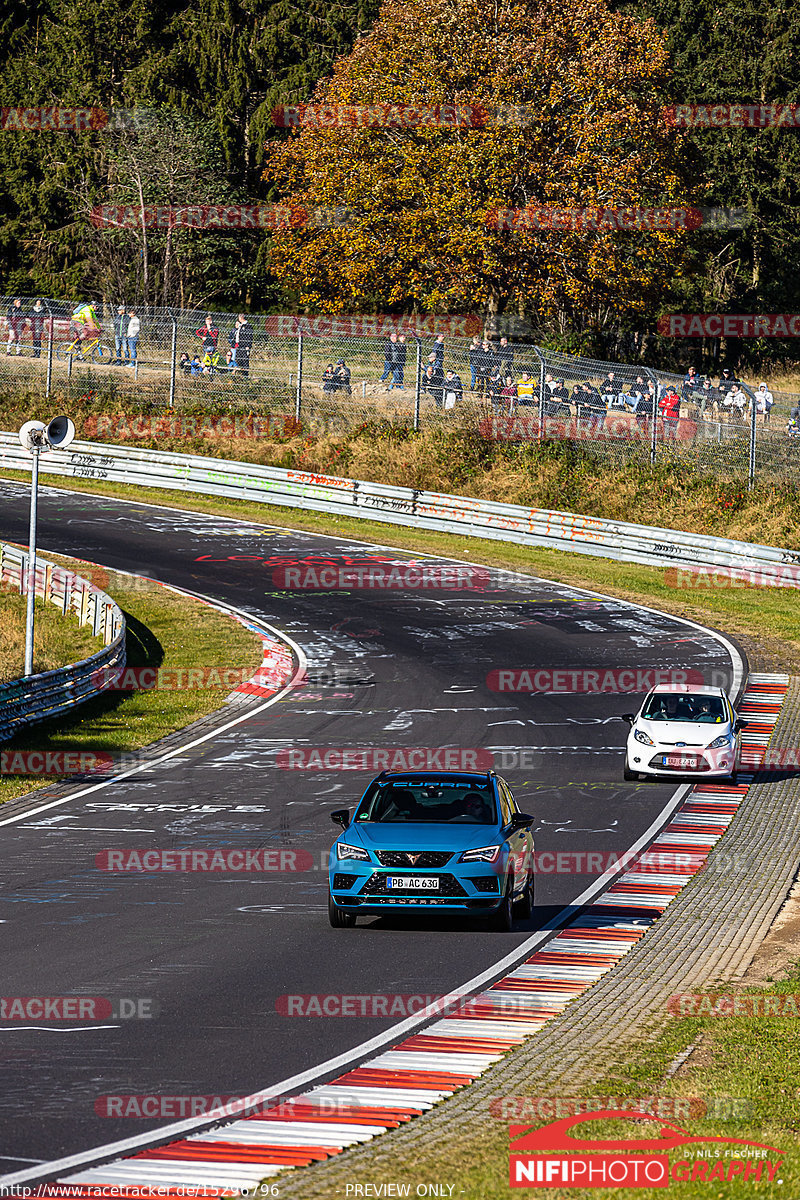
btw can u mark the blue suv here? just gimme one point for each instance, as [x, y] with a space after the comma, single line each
[449, 841]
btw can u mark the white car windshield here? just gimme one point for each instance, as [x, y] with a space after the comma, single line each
[663, 706]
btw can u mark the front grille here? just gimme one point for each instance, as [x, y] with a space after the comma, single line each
[340, 882]
[486, 883]
[422, 858]
[376, 886]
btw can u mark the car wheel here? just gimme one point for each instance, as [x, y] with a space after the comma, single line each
[627, 774]
[502, 919]
[524, 906]
[340, 918]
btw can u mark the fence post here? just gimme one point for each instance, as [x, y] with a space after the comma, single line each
[174, 354]
[654, 430]
[49, 382]
[299, 396]
[751, 469]
[418, 386]
[540, 356]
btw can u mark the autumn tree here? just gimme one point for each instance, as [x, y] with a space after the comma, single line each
[421, 235]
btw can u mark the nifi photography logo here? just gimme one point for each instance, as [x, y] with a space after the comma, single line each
[551, 1157]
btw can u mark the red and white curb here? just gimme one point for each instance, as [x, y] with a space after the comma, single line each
[423, 1069]
[276, 669]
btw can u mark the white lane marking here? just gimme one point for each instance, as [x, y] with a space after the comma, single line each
[84, 828]
[197, 741]
[55, 1029]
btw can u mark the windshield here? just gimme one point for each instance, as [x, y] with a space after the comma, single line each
[444, 803]
[709, 710]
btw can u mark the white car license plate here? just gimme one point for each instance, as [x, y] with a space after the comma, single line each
[676, 761]
[425, 883]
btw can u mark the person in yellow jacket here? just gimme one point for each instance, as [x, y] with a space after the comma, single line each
[85, 323]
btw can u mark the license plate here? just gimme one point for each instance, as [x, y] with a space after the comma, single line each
[424, 883]
[676, 761]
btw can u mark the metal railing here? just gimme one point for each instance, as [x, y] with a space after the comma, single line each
[620, 540]
[50, 693]
[283, 369]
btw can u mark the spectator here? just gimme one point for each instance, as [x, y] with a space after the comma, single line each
[132, 337]
[646, 408]
[185, 363]
[484, 364]
[342, 377]
[609, 390]
[726, 379]
[433, 383]
[196, 366]
[595, 405]
[388, 358]
[16, 318]
[328, 384]
[764, 402]
[241, 343]
[452, 390]
[525, 389]
[209, 333]
[509, 393]
[38, 314]
[670, 408]
[400, 357]
[438, 350]
[559, 404]
[494, 385]
[474, 359]
[708, 397]
[735, 402]
[505, 355]
[691, 384]
[120, 332]
[634, 395]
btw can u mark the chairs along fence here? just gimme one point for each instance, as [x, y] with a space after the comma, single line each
[335, 374]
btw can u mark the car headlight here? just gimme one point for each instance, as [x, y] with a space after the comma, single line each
[723, 740]
[642, 737]
[481, 854]
[345, 850]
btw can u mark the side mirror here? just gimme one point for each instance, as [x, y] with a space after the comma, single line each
[629, 717]
[739, 725]
[521, 821]
[341, 817]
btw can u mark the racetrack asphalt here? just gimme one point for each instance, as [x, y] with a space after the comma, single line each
[214, 953]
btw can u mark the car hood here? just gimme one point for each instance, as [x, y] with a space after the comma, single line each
[421, 835]
[694, 733]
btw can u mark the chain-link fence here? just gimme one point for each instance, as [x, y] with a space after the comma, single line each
[334, 374]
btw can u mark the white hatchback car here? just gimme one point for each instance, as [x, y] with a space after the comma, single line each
[684, 730]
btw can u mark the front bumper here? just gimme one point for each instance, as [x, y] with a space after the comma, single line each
[710, 764]
[363, 887]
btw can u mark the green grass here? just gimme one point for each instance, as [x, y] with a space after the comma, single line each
[58, 639]
[164, 630]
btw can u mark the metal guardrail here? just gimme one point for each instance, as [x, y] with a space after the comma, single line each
[49, 694]
[405, 506]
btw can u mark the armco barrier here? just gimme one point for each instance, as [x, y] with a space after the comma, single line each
[405, 506]
[39, 697]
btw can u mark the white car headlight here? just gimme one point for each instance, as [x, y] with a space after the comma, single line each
[481, 854]
[642, 737]
[724, 739]
[345, 850]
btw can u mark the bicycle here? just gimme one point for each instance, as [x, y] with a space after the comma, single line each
[90, 351]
